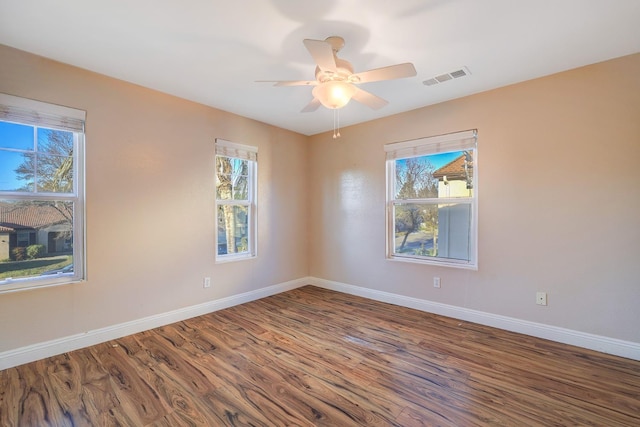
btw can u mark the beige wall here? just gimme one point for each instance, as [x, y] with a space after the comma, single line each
[150, 207]
[550, 152]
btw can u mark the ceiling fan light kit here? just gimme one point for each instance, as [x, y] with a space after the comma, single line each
[334, 94]
[335, 83]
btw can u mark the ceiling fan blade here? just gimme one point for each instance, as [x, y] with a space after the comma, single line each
[369, 99]
[391, 72]
[290, 82]
[312, 106]
[322, 53]
[297, 83]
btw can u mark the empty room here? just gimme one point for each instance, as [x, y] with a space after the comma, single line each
[339, 213]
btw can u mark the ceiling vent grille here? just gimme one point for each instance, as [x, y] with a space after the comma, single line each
[462, 72]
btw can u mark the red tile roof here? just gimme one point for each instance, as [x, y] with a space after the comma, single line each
[15, 217]
[454, 170]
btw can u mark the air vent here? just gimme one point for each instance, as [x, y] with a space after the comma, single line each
[462, 72]
[458, 74]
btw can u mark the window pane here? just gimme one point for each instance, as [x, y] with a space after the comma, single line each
[50, 166]
[36, 239]
[16, 136]
[55, 174]
[414, 178]
[16, 171]
[433, 231]
[435, 175]
[55, 142]
[233, 229]
[232, 178]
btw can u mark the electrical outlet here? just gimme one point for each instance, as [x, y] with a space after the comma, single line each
[541, 298]
[436, 282]
[206, 283]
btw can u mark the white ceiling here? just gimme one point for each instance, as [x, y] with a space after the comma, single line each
[213, 51]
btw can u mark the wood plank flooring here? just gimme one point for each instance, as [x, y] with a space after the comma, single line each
[317, 357]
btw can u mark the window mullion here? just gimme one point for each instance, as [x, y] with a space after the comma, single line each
[232, 202]
[433, 201]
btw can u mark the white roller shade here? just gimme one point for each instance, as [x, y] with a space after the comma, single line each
[457, 141]
[28, 111]
[240, 151]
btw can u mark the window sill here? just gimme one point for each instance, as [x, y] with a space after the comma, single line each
[27, 285]
[233, 258]
[448, 263]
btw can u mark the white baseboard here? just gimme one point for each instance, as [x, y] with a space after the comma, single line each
[42, 350]
[628, 349]
[45, 349]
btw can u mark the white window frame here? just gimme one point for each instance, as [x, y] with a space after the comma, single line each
[50, 116]
[458, 141]
[249, 153]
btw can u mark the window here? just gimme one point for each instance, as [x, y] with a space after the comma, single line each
[41, 194]
[432, 190]
[236, 177]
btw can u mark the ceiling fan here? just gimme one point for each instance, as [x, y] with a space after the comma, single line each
[336, 83]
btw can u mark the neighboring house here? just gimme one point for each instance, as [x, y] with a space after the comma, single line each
[21, 226]
[455, 179]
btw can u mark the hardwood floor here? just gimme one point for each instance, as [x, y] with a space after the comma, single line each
[316, 357]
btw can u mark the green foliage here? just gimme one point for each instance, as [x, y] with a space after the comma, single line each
[31, 268]
[35, 251]
[244, 244]
[19, 254]
[424, 251]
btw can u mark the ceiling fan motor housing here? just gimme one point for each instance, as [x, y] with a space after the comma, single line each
[343, 71]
